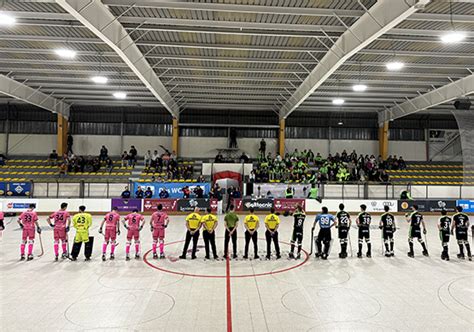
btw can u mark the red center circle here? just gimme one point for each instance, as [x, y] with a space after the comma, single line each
[145, 259]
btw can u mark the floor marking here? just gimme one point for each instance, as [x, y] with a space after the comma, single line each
[228, 295]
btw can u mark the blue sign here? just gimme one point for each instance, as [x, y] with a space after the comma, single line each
[467, 205]
[19, 189]
[174, 189]
[3, 188]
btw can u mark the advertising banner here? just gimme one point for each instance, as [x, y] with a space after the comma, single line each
[237, 202]
[282, 204]
[405, 206]
[19, 189]
[3, 188]
[126, 205]
[379, 205]
[439, 205]
[466, 204]
[278, 189]
[259, 204]
[173, 188]
[188, 205]
[169, 205]
[18, 205]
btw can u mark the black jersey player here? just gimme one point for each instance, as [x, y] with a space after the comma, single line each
[363, 222]
[388, 227]
[444, 227]
[415, 219]
[461, 225]
[297, 236]
[343, 224]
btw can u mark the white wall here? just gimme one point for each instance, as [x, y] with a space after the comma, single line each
[409, 150]
[3, 141]
[31, 145]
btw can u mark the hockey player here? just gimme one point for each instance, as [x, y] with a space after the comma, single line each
[416, 221]
[158, 222]
[461, 226]
[82, 221]
[209, 223]
[388, 227]
[444, 227]
[251, 224]
[61, 224]
[112, 229]
[135, 224]
[297, 236]
[2, 217]
[363, 222]
[343, 225]
[326, 222]
[28, 221]
[272, 222]
[193, 225]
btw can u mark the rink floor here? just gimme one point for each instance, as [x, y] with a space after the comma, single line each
[376, 294]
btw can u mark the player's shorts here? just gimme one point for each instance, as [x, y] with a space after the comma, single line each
[342, 232]
[297, 235]
[81, 236]
[133, 234]
[110, 234]
[158, 233]
[444, 236]
[387, 234]
[28, 233]
[461, 234]
[59, 234]
[364, 232]
[415, 232]
[324, 234]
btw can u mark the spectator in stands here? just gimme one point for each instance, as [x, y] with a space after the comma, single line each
[199, 192]
[232, 138]
[109, 165]
[200, 178]
[95, 165]
[148, 192]
[139, 193]
[53, 158]
[154, 159]
[69, 143]
[263, 147]
[186, 192]
[126, 193]
[147, 159]
[63, 169]
[401, 163]
[236, 193]
[133, 156]
[125, 159]
[104, 153]
[384, 177]
[244, 158]
[164, 193]
[219, 158]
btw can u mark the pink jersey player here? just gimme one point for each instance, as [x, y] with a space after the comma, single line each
[112, 228]
[2, 217]
[28, 220]
[134, 223]
[61, 222]
[158, 222]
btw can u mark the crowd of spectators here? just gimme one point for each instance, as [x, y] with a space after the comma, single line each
[166, 163]
[306, 167]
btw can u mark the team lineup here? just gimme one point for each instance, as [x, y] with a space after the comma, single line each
[61, 220]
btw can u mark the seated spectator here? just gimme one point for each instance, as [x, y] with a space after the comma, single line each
[219, 158]
[244, 158]
[147, 159]
[199, 192]
[63, 169]
[148, 192]
[201, 178]
[139, 193]
[164, 193]
[401, 163]
[52, 160]
[133, 153]
[126, 193]
[109, 165]
[384, 177]
[125, 159]
[154, 158]
[104, 153]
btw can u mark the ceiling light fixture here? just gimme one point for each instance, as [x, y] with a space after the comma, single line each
[338, 101]
[340, 123]
[395, 65]
[359, 87]
[453, 37]
[99, 79]
[7, 20]
[120, 95]
[66, 53]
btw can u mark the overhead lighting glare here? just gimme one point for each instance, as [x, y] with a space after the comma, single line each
[66, 53]
[99, 79]
[6, 20]
[340, 123]
[359, 87]
[395, 65]
[338, 101]
[120, 95]
[453, 37]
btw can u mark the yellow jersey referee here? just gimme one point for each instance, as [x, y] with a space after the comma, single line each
[272, 222]
[193, 224]
[251, 224]
[209, 223]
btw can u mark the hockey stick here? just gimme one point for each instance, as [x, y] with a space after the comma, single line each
[383, 244]
[350, 243]
[426, 242]
[41, 245]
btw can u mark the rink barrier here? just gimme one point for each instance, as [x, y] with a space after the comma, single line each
[262, 205]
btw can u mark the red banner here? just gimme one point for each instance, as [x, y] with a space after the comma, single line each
[149, 205]
[213, 204]
[289, 204]
[237, 202]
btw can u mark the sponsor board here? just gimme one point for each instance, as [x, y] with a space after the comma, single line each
[351, 206]
[237, 202]
[466, 204]
[188, 205]
[18, 205]
[282, 205]
[379, 205]
[18, 189]
[174, 189]
[169, 205]
[126, 205]
[214, 204]
[3, 188]
[405, 205]
[259, 204]
[427, 205]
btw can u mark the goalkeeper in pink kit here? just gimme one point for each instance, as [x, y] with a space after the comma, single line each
[61, 223]
[112, 229]
[28, 221]
[133, 223]
[158, 222]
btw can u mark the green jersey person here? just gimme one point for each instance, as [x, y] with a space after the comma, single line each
[314, 193]
[231, 221]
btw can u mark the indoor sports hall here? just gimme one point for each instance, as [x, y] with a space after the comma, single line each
[266, 165]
